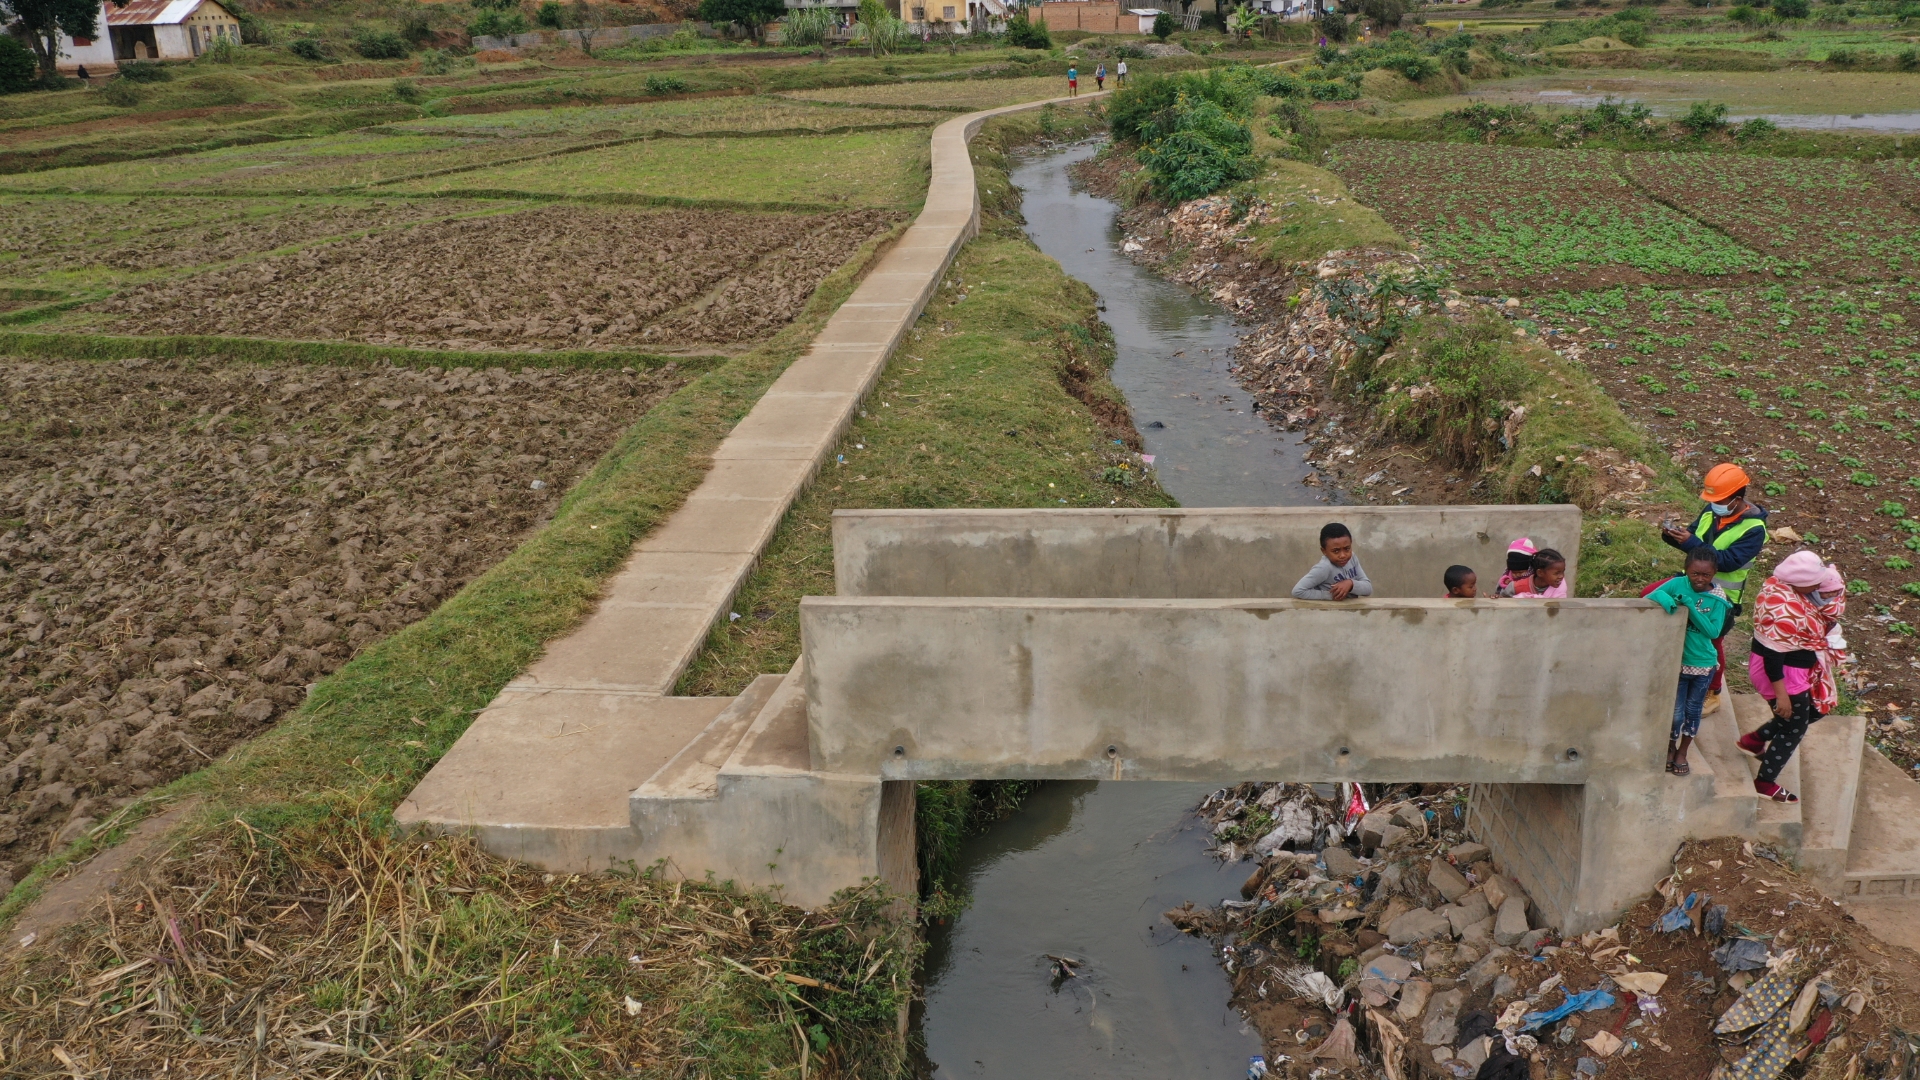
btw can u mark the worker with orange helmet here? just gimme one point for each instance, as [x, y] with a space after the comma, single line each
[1736, 530]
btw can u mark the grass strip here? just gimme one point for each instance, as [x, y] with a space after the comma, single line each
[83, 346]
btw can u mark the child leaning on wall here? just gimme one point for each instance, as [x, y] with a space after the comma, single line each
[1708, 613]
[1549, 578]
[1337, 575]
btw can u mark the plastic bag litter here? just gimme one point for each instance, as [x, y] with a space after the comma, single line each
[1308, 982]
[1741, 954]
[1256, 1067]
[1680, 916]
[1295, 822]
[1339, 1046]
[1586, 1067]
[1586, 1001]
[1716, 922]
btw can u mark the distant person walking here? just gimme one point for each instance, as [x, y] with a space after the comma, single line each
[1120, 74]
[1736, 530]
[1073, 81]
[1100, 77]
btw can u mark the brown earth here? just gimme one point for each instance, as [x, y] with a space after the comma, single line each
[146, 232]
[548, 278]
[186, 545]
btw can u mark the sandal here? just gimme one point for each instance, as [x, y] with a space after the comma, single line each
[1775, 792]
[1680, 768]
[1752, 743]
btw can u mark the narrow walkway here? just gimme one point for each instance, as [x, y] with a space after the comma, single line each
[564, 744]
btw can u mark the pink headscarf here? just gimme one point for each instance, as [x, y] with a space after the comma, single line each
[1803, 570]
[1833, 582]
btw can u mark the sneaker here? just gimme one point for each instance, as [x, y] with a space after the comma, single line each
[1712, 703]
[1752, 743]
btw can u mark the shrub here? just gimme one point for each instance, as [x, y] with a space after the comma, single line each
[1203, 149]
[1152, 108]
[495, 23]
[666, 84]
[121, 93]
[1909, 59]
[1842, 57]
[1705, 118]
[380, 45]
[308, 48]
[1754, 128]
[1333, 26]
[1024, 33]
[435, 62]
[549, 15]
[1384, 12]
[807, 28]
[1456, 392]
[253, 29]
[1791, 9]
[1164, 25]
[1742, 14]
[405, 90]
[144, 71]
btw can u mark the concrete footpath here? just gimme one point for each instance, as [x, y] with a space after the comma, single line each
[545, 771]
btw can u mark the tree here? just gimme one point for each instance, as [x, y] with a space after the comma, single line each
[1240, 24]
[549, 15]
[1027, 34]
[589, 21]
[749, 15]
[44, 21]
[18, 68]
[1163, 25]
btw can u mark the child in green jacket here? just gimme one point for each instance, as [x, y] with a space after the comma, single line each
[1708, 613]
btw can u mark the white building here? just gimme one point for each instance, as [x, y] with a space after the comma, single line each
[150, 30]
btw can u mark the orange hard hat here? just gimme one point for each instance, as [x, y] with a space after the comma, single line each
[1722, 481]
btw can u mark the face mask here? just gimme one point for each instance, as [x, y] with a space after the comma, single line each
[1720, 509]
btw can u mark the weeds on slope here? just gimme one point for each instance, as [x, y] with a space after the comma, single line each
[334, 948]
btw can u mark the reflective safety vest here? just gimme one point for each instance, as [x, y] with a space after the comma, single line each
[1732, 582]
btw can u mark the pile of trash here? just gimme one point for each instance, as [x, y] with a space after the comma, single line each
[1379, 938]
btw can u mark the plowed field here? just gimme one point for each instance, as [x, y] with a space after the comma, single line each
[185, 546]
[110, 238]
[546, 278]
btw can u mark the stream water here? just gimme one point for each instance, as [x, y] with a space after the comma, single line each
[1084, 870]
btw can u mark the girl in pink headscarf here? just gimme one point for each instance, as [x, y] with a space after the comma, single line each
[1519, 575]
[1796, 648]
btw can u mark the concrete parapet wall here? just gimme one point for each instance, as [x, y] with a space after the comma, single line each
[1192, 554]
[1377, 690]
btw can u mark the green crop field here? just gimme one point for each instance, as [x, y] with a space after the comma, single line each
[1509, 218]
[874, 168]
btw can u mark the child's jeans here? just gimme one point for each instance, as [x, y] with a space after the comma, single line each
[1687, 703]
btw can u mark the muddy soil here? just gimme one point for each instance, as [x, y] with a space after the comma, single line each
[46, 234]
[186, 545]
[556, 277]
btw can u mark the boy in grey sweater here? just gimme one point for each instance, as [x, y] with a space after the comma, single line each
[1337, 575]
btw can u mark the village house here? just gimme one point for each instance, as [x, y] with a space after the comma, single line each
[150, 30]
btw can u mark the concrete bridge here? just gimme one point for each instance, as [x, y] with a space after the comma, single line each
[1147, 645]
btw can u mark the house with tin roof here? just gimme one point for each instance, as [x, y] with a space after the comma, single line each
[150, 30]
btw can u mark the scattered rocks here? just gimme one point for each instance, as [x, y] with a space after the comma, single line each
[1511, 923]
[1448, 880]
[1420, 924]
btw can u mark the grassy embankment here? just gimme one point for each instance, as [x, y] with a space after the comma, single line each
[997, 400]
[432, 953]
[1476, 364]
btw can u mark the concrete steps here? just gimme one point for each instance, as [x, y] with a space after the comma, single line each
[1883, 859]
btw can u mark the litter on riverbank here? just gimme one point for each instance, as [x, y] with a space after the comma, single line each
[1386, 941]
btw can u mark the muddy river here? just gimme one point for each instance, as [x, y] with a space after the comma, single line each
[1084, 869]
